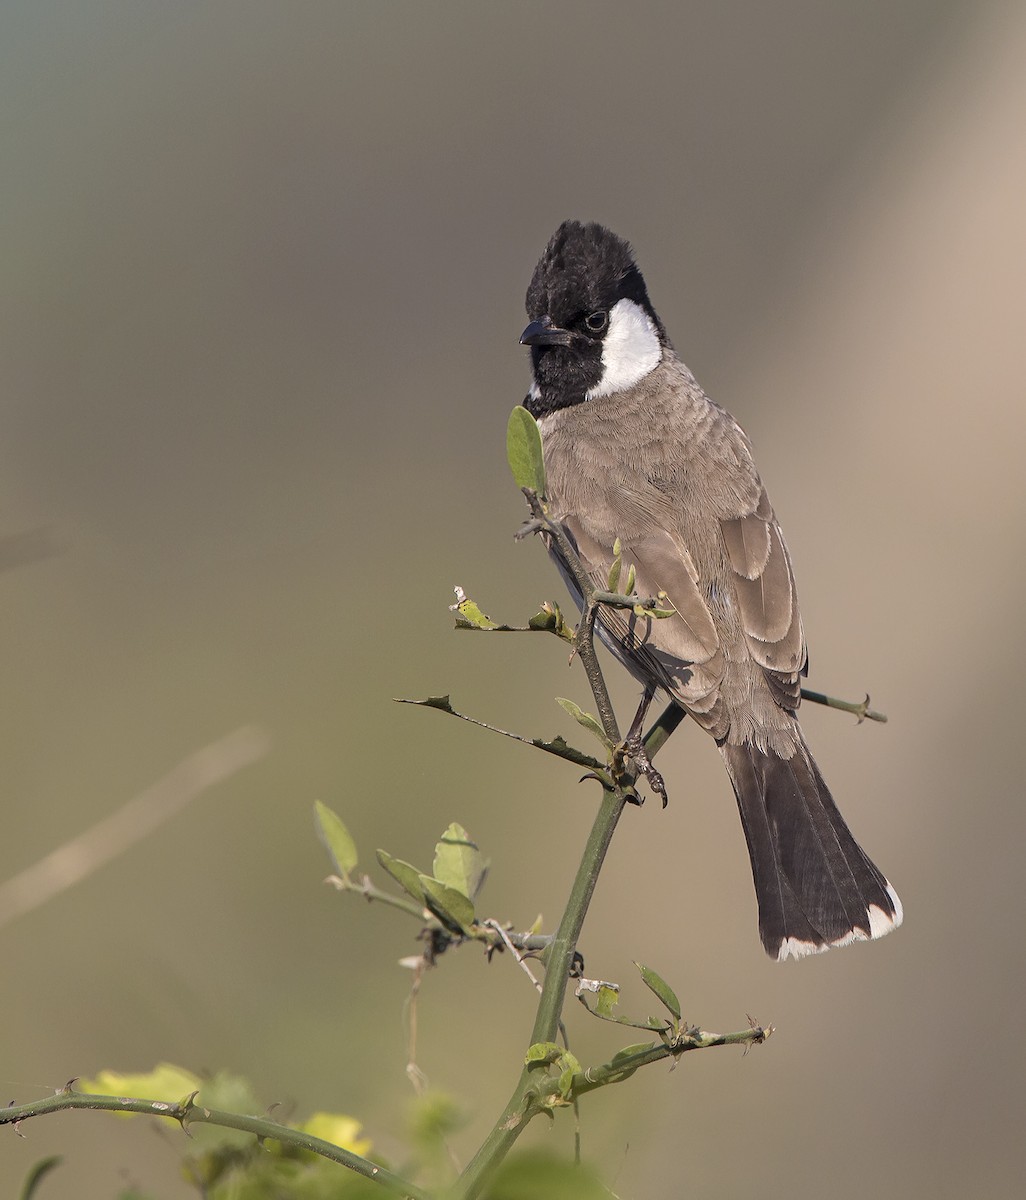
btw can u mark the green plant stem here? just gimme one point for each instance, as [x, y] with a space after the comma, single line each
[188, 1112]
[365, 888]
[624, 1066]
[860, 708]
[564, 944]
[520, 1108]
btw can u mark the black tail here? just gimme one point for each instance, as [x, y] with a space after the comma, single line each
[815, 884]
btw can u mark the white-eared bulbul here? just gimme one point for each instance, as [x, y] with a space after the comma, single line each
[635, 451]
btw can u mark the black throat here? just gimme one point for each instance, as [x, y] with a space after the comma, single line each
[541, 402]
[563, 376]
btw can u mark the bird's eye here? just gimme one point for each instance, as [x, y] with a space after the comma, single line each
[597, 322]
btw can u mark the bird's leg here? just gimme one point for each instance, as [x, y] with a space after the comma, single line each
[633, 747]
[633, 739]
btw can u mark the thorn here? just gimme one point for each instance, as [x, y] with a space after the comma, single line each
[69, 1087]
[185, 1109]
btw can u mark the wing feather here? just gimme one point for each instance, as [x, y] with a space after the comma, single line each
[681, 653]
[764, 586]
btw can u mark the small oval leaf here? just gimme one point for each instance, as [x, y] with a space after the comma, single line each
[631, 1051]
[451, 907]
[336, 838]
[38, 1172]
[613, 581]
[406, 876]
[661, 988]
[524, 450]
[585, 720]
[458, 862]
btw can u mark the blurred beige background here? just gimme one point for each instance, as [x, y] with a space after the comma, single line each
[262, 288]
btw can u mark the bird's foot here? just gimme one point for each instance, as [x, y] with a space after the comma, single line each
[632, 750]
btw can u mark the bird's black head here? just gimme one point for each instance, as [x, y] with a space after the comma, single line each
[593, 331]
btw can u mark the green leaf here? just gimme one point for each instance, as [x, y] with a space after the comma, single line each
[433, 1119]
[661, 988]
[468, 614]
[336, 838]
[551, 618]
[668, 610]
[524, 450]
[37, 1173]
[226, 1090]
[631, 580]
[165, 1082]
[614, 570]
[630, 1051]
[622, 1057]
[586, 720]
[567, 1059]
[458, 862]
[571, 1067]
[543, 1052]
[544, 1173]
[406, 876]
[440, 702]
[545, 619]
[337, 1128]
[451, 907]
[607, 999]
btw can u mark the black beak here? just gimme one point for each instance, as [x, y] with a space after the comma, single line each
[544, 333]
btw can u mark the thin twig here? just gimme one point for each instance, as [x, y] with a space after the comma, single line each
[364, 887]
[556, 746]
[189, 1112]
[518, 958]
[860, 708]
[624, 1065]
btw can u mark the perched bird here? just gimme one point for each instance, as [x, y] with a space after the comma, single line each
[635, 451]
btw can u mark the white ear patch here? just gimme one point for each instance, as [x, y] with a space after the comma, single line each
[630, 349]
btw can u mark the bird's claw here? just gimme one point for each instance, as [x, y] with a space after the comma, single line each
[633, 748]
